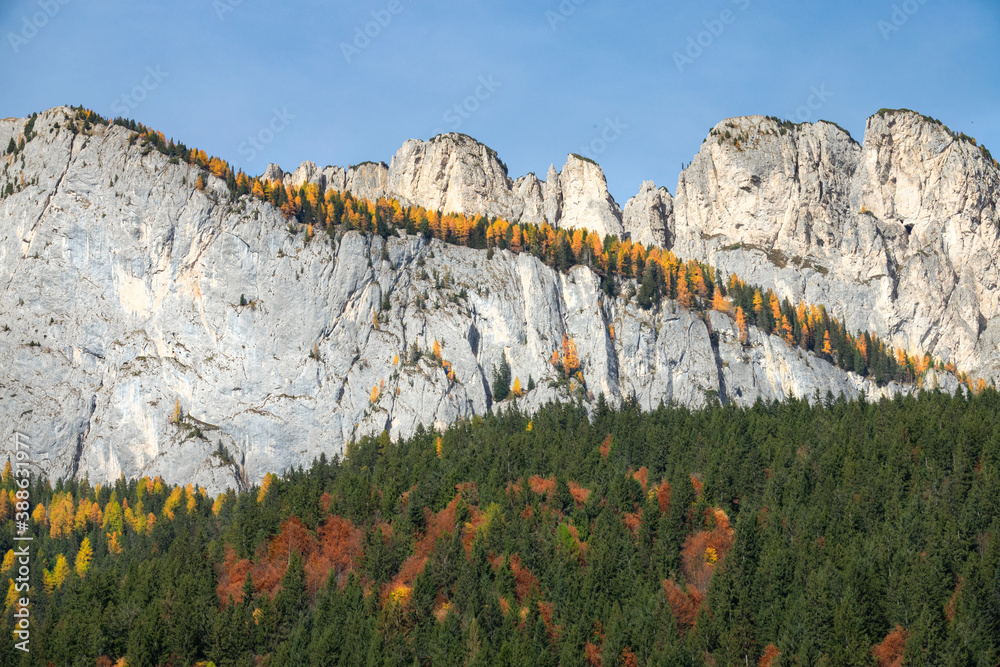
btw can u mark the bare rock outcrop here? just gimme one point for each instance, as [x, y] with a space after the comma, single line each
[648, 216]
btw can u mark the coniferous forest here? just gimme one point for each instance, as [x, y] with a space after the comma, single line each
[831, 533]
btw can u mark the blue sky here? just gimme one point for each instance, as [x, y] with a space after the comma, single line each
[636, 86]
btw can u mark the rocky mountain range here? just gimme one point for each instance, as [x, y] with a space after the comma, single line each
[131, 295]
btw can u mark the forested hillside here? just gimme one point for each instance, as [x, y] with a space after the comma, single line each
[850, 533]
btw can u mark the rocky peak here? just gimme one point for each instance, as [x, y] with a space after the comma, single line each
[307, 173]
[369, 180]
[648, 217]
[531, 193]
[578, 197]
[918, 173]
[452, 173]
[766, 183]
[273, 173]
[898, 233]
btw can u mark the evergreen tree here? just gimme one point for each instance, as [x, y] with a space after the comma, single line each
[501, 380]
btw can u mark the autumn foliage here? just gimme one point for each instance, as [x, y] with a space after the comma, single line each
[889, 652]
[700, 557]
[333, 549]
[770, 653]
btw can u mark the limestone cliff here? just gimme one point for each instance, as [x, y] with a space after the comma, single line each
[900, 234]
[128, 293]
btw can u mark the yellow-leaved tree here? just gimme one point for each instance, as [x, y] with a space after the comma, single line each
[61, 570]
[741, 325]
[39, 516]
[571, 362]
[269, 479]
[719, 302]
[114, 546]
[189, 498]
[83, 557]
[11, 597]
[219, 502]
[516, 389]
[114, 518]
[173, 500]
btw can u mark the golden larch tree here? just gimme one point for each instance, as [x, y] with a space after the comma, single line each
[39, 516]
[719, 302]
[515, 239]
[83, 557]
[577, 244]
[265, 486]
[570, 360]
[683, 292]
[827, 348]
[741, 325]
[114, 547]
[12, 597]
[60, 571]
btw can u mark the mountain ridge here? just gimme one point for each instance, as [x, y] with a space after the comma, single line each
[181, 260]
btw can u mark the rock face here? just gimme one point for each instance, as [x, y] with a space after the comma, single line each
[581, 199]
[899, 234]
[129, 294]
[649, 216]
[452, 173]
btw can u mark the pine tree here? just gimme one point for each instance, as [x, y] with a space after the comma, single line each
[649, 292]
[501, 380]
